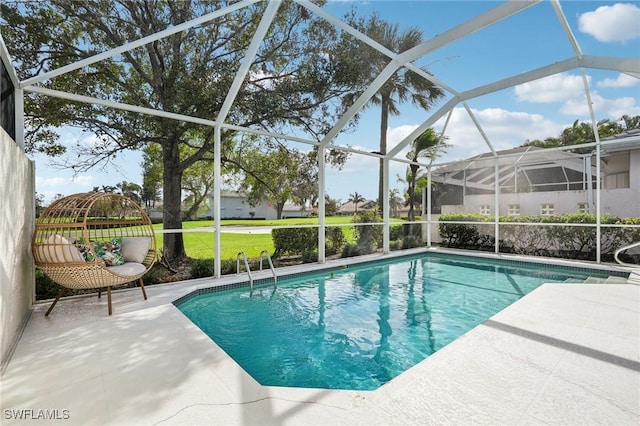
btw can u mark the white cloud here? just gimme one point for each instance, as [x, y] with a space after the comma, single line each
[504, 129]
[61, 181]
[398, 134]
[602, 107]
[569, 90]
[360, 172]
[65, 185]
[616, 23]
[555, 88]
[623, 80]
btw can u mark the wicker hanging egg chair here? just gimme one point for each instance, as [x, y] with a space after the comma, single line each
[94, 240]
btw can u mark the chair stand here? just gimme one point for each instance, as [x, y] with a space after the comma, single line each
[144, 293]
[60, 293]
[109, 298]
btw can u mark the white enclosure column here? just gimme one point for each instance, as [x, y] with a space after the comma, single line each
[598, 205]
[589, 179]
[217, 263]
[428, 202]
[496, 207]
[385, 211]
[321, 206]
[594, 126]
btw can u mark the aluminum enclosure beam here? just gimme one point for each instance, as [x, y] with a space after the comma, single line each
[627, 65]
[482, 21]
[141, 42]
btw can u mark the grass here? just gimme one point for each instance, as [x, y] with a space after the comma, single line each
[199, 245]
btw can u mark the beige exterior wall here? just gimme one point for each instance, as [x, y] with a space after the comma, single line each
[17, 211]
[622, 202]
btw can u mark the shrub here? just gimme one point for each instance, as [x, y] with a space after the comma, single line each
[309, 256]
[201, 268]
[228, 266]
[575, 242]
[335, 240]
[460, 235]
[46, 288]
[411, 241]
[351, 250]
[153, 276]
[294, 241]
[396, 232]
[369, 237]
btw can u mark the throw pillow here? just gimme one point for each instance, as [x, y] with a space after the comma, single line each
[109, 251]
[57, 249]
[85, 251]
[135, 249]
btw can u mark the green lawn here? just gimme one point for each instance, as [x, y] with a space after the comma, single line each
[199, 245]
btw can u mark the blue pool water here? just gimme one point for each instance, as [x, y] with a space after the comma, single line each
[359, 327]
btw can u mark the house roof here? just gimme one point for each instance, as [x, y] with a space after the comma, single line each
[622, 142]
[350, 207]
[531, 166]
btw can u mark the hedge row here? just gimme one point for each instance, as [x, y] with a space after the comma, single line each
[574, 242]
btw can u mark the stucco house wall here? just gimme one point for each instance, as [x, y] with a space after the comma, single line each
[530, 202]
[623, 202]
[235, 205]
[17, 218]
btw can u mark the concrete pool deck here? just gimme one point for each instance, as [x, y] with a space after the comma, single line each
[564, 354]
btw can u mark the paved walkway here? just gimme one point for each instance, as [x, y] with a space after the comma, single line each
[564, 354]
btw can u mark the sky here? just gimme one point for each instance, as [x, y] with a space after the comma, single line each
[536, 110]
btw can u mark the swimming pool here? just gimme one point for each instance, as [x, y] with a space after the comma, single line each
[359, 327]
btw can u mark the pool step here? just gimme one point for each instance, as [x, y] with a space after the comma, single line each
[600, 280]
[616, 280]
[595, 280]
[634, 277]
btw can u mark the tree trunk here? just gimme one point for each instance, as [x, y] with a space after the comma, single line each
[412, 192]
[173, 247]
[384, 119]
[279, 209]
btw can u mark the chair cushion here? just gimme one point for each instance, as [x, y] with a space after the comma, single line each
[135, 249]
[57, 249]
[109, 251]
[129, 269]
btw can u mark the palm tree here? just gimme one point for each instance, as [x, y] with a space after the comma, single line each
[395, 200]
[427, 145]
[130, 190]
[631, 122]
[404, 85]
[355, 198]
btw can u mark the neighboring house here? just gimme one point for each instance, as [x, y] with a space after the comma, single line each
[349, 208]
[234, 205]
[537, 181]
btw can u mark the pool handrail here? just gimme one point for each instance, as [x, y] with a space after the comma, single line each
[273, 270]
[246, 265]
[625, 248]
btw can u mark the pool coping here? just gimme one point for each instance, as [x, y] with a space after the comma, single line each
[551, 357]
[343, 263]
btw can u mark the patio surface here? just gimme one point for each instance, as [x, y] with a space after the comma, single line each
[564, 354]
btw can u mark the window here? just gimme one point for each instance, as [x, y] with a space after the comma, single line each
[7, 103]
[583, 207]
[513, 209]
[546, 209]
[616, 180]
[485, 210]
